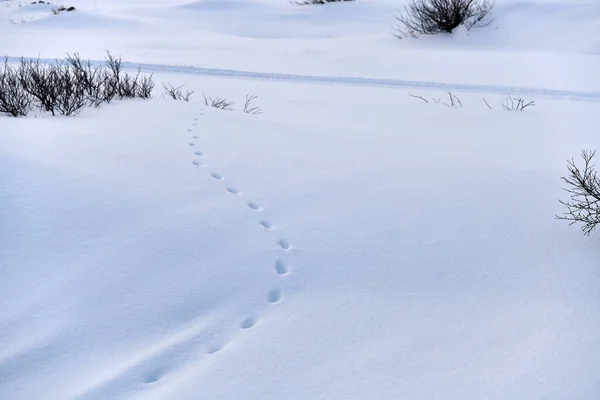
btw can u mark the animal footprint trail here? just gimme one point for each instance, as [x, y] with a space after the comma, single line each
[280, 268]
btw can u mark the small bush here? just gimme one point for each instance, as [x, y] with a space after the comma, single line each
[431, 17]
[249, 108]
[14, 99]
[217, 102]
[516, 104]
[583, 187]
[175, 93]
[55, 88]
[65, 87]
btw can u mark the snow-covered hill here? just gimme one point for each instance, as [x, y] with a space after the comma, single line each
[350, 242]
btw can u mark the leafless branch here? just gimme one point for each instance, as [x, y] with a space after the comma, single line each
[516, 104]
[217, 102]
[249, 108]
[176, 93]
[486, 103]
[583, 187]
[454, 101]
[419, 97]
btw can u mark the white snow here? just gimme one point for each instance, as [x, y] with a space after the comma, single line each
[351, 242]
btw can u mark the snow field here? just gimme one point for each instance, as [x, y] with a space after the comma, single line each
[349, 243]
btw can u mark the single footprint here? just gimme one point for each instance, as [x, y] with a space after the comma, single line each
[198, 153]
[281, 268]
[266, 224]
[189, 129]
[195, 119]
[195, 137]
[274, 295]
[197, 163]
[254, 206]
[217, 176]
[283, 244]
[192, 144]
[248, 323]
[214, 349]
[233, 191]
[154, 376]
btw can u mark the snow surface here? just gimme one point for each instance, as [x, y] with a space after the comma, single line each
[351, 242]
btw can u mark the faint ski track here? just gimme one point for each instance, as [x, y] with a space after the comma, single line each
[593, 97]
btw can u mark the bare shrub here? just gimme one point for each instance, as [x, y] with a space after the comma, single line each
[41, 82]
[453, 100]
[129, 86]
[217, 102]
[66, 86]
[70, 94]
[123, 85]
[516, 104]
[93, 80]
[14, 99]
[56, 87]
[583, 187]
[145, 87]
[176, 93]
[249, 108]
[431, 17]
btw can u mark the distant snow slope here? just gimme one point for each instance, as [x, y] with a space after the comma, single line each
[349, 243]
[525, 46]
